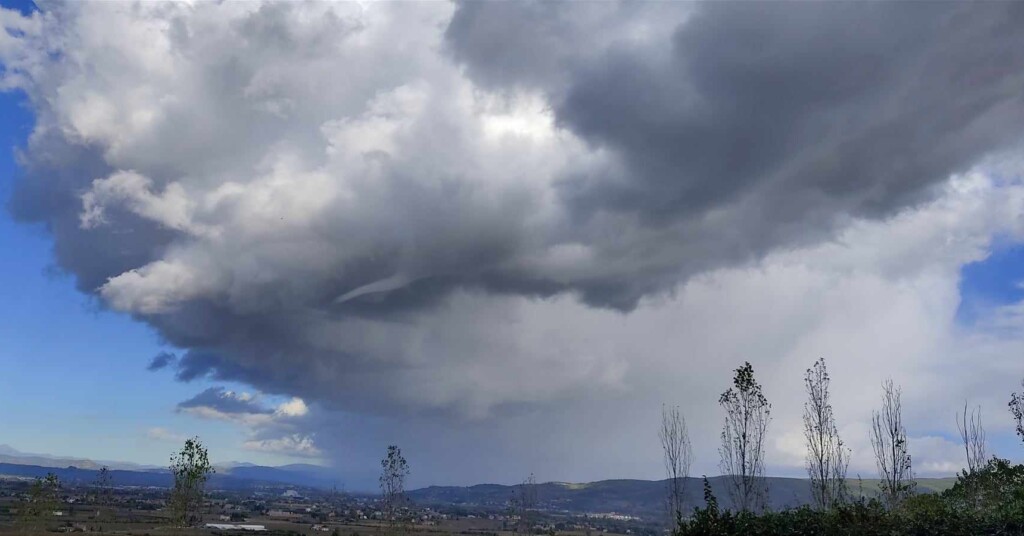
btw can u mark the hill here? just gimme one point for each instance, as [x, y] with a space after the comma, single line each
[230, 475]
[13, 456]
[639, 498]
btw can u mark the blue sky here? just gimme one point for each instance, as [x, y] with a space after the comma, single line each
[75, 373]
[997, 280]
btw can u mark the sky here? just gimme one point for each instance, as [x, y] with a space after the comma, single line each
[72, 367]
[503, 235]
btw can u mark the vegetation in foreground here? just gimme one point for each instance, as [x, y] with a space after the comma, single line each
[987, 498]
[988, 501]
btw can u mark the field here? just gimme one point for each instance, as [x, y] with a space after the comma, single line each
[143, 511]
[160, 526]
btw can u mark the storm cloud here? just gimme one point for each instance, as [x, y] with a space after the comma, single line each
[403, 210]
[752, 126]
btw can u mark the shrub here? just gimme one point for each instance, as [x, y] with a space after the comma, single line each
[989, 501]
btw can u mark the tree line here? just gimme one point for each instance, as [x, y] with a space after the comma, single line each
[987, 498]
[191, 469]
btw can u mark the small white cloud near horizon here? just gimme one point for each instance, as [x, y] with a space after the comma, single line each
[296, 445]
[268, 428]
[296, 407]
[158, 433]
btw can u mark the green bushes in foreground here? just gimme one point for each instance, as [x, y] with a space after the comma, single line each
[989, 501]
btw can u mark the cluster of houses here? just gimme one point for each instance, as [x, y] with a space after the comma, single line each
[264, 509]
[228, 526]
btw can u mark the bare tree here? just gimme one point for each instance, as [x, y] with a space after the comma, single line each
[102, 489]
[103, 478]
[827, 457]
[394, 469]
[889, 442]
[972, 433]
[675, 443]
[191, 469]
[524, 501]
[747, 414]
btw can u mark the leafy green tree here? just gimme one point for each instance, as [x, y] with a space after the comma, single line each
[705, 521]
[997, 488]
[191, 469]
[1017, 409]
[43, 500]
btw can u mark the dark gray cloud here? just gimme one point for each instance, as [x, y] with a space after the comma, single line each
[543, 44]
[765, 119]
[161, 361]
[855, 107]
[224, 401]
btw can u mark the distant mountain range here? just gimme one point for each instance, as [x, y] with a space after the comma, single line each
[231, 475]
[640, 498]
[13, 456]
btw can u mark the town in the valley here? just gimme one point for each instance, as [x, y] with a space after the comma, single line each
[86, 507]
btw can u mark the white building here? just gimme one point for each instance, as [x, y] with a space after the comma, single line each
[226, 526]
